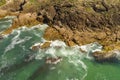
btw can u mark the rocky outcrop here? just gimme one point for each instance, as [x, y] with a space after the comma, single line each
[90, 21]
[16, 8]
[79, 16]
[22, 19]
[72, 21]
[84, 23]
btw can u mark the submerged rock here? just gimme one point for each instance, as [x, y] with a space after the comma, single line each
[1, 37]
[38, 46]
[110, 56]
[53, 60]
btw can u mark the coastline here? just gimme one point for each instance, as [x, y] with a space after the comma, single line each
[74, 23]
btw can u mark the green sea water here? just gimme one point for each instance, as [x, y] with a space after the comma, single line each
[19, 62]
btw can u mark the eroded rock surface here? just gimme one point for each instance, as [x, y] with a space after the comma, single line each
[87, 22]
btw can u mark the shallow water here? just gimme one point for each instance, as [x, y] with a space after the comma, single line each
[5, 23]
[19, 62]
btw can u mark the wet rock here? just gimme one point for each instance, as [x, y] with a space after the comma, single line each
[100, 6]
[50, 60]
[35, 47]
[45, 45]
[1, 37]
[38, 46]
[71, 43]
[110, 56]
[29, 57]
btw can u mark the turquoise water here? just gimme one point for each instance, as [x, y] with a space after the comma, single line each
[19, 62]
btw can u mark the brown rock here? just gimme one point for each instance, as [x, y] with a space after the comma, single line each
[45, 45]
[52, 34]
[24, 19]
[34, 48]
[71, 43]
[3, 13]
[40, 46]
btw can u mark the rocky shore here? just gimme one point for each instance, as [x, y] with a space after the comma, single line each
[75, 22]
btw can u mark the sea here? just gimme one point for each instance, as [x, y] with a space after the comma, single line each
[19, 62]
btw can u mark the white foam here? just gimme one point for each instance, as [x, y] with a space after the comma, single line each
[25, 28]
[16, 40]
[10, 17]
[59, 48]
[6, 21]
[117, 52]
[57, 43]
[72, 79]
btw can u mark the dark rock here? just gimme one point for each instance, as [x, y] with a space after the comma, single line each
[100, 7]
[48, 14]
[111, 56]
[116, 18]
[1, 37]
[29, 57]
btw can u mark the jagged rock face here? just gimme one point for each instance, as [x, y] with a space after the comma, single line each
[63, 14]
[89, 20]
[102, 16]
[82, 21]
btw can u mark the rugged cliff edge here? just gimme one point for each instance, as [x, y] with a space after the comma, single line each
[73, 21]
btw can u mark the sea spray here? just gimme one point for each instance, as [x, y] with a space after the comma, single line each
[70, 55]
[91, 48]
